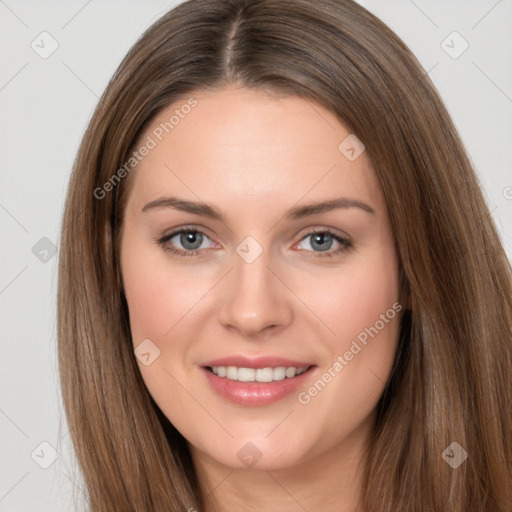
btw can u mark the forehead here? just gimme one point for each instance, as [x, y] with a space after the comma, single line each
[249, 147]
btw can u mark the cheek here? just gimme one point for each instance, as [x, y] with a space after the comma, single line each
[363, 310]
[156, 298]
[158, 302]
[369, 295]
[354, 297]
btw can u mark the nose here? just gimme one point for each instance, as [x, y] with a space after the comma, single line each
[255, 299]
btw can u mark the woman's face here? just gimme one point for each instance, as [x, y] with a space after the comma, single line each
[264, 282]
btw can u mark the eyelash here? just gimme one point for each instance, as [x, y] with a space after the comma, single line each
[345, 244]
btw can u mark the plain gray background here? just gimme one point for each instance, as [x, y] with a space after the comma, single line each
[45, 104]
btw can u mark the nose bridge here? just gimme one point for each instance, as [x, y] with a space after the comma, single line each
[252, 274]
[256, 299]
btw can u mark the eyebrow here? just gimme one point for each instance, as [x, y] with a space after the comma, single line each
[298, 212]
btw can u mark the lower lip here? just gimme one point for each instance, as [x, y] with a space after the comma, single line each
[255, 393]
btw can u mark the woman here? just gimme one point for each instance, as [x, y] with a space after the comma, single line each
[260, 368]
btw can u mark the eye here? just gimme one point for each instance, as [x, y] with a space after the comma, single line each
[322, 241]
[191, 240]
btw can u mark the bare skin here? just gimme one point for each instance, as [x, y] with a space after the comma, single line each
[253, 157]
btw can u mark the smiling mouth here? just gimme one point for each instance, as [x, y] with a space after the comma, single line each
[267, 374]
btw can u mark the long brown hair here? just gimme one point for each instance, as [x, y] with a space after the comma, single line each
[451, 381]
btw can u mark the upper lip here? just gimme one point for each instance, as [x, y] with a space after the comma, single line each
[243, 361]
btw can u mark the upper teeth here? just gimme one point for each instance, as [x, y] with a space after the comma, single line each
[259, 374]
